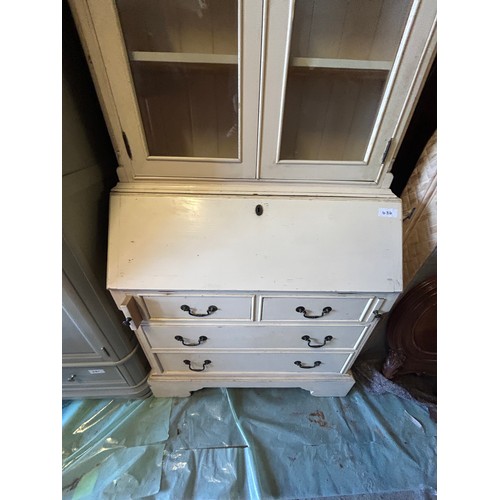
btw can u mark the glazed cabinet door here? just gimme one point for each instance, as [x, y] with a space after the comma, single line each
[338, 75]
[181, 83]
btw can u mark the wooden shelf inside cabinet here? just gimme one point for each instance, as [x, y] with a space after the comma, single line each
[183, 58]
[349, 64]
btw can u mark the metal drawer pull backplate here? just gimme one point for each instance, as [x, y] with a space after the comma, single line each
[302, 310]
[210, 310]
[308, 340]
[200, 340]
[205, 363]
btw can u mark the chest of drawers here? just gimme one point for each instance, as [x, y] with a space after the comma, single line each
[203, 332]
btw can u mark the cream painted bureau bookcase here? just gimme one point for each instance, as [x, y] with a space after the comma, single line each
[254, 240]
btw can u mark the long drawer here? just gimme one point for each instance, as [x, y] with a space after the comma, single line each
[198, 307]
[310, 309]
[209, 362]
[89, 375]
[312, 337]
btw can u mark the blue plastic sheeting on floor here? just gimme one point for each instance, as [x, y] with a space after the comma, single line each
[250, 444]
[113, 449]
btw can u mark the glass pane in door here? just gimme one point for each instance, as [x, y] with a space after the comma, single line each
[183, 56]
[341, 54]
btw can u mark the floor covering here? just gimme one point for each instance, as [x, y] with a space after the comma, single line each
[378, 442]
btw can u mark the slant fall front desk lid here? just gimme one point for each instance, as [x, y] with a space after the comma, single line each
[287, 244]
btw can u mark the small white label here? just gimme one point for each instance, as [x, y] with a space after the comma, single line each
[95, 372]
[387, 212]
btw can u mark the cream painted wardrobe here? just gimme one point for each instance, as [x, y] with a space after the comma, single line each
[254, 240]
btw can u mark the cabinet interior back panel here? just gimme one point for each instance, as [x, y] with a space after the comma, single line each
[329, 114]
[180, 26]
[188, 111]
[358, 29]
[219, 243]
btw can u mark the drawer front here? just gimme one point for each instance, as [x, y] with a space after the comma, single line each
[310, 309]
[89, 374]
[310, 337]
[199, 307]
[210, 363]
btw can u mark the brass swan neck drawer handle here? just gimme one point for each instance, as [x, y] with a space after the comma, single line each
[200, 340]
[308, 340]
[205, 363]
[302, 310]
[301, 365]
[210, 310]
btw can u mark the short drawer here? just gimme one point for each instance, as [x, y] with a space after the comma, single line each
[310, 309]
[199, 307]
[310, 337]
[89, 374]
[206, 363]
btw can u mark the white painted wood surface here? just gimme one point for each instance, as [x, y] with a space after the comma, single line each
[219, 243]
[132, 312]
[322, 62]
[251, 362]
[256, 187]
[353, 308]
[253, 337]
[168, 307]
[182, 57]
[330, 385]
